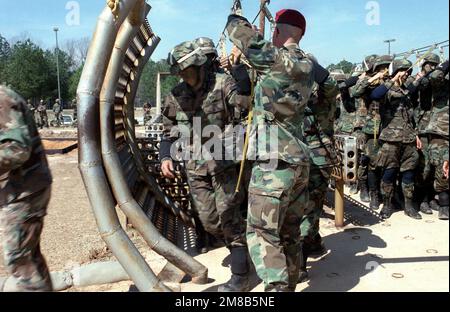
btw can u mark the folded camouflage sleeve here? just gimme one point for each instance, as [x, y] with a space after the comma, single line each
[261, 54]
[15, 139]
[360, 88]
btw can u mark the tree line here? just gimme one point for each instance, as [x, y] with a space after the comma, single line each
[31, 71]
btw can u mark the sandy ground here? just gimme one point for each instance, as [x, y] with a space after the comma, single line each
[70, 232]
[368, 255]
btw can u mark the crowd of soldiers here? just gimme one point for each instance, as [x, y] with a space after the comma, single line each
[41, 116]
[401, 123]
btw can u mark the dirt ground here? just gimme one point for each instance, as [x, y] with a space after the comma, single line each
[70, 232]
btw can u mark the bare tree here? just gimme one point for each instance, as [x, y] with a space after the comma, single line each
[77, 49]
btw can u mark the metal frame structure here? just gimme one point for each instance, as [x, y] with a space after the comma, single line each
[110, 161]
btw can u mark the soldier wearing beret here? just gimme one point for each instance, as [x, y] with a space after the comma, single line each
[278, 191]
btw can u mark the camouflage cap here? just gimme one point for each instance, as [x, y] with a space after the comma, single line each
[382, 60]
[207, 45]
[369, 62]
[185, 55]
[431, 58]
[399, 64]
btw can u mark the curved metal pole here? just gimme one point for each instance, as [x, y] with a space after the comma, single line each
[113, 167]
[90, 162]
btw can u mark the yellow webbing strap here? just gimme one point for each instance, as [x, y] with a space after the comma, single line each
[247, 133]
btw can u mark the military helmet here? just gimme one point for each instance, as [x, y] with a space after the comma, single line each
[369, 62]
[207, 45]
[357, 71]
[338, 76]
[382, 60]
[400, 64]
[431, 58]
[185, 55]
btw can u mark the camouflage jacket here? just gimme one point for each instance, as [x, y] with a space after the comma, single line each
[212, 105]
[23, 164]
[318, 126]
[421, 98]
[285, 85]
[396, 118]
[56, 108]
[439, 119]
[369, 109]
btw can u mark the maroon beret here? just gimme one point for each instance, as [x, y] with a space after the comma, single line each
[291, 17]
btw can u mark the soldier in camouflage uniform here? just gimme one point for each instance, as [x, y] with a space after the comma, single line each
[25, 184]
[398, 152]
[422, 100]
[32, 110]
[278, 191]
[57, 110]
[376, 71]
[43, 118]
[208, 97]
[147, 113]
[319, 131]
[437, 132]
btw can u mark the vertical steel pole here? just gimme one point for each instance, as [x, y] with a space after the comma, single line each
[57, 65]
[339, 203]
[158, 95]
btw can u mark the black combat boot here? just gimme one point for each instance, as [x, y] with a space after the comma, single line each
[443, 213]
[303, 275]
[374, 200]
[353, 189]
[408, 193]
[364, 191]
[240, 268]
[388, 193]
[425, 208]
[202, 241]
[434, 205]
[443, 205]
[316, 248]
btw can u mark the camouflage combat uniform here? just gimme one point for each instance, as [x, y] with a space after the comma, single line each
[57, 110]
[398, 136]
[278, 193]
[438, 134]
[43, 118]
[147, 114]
[212, 182]
[319, 132]
[25, 183]
[368, 177]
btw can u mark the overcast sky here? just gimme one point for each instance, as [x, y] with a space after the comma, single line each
[336, 29]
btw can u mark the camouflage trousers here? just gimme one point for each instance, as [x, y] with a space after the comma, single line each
[43, 121]
[277, 201]
[58, 119]
[423, 166]
[22, 224]
[318, 185]
[398, 156]
[218, 205]
[436, 150]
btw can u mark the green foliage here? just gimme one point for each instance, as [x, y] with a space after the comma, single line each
[73, 82]
[27, 70]
[32, 72]
[344, 65]
[147, 85]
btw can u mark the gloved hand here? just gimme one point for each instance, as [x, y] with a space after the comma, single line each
[243, 82]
